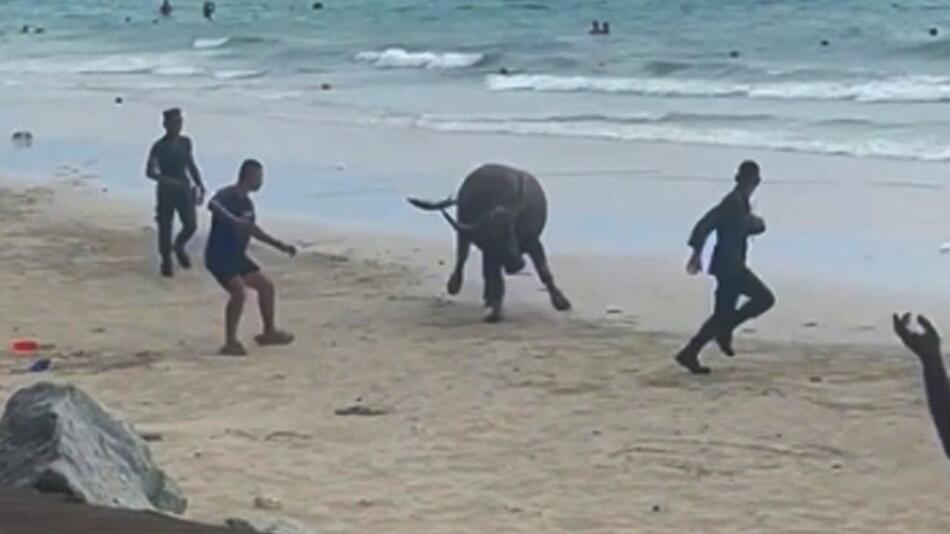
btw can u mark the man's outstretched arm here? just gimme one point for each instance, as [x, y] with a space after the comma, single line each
[927, 347]
[254, 230]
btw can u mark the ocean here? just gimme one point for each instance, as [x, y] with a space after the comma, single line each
[850, 77]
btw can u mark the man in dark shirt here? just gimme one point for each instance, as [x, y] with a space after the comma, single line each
[170, 163]
[733, 222]
[936, 384]
[233, 224]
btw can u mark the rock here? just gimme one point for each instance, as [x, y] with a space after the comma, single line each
[118, 100]
[656, 507]
[325, 86]
[824, 42]
[613, 310]
[57, 439]
[271, 526]
[933, 32]
[734, 54]
[317, 6]
[816, 379]
[810, 324]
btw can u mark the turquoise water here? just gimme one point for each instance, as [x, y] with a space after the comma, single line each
[880, 87]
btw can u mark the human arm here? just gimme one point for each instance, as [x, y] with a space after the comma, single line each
[152, 171]
[756, 224]
[251, 228]
[699, 235]
[926, 346]
[195, 173]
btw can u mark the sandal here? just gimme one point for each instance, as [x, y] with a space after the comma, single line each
[277, 337]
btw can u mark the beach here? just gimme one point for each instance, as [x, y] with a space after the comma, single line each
[545, 423]
[396, 409]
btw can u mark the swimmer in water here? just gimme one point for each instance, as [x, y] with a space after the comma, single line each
[166, 8]
[208, 10]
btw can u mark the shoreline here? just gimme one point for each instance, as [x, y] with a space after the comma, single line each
[616, 235]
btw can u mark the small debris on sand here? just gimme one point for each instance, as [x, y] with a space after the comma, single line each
[363, 411]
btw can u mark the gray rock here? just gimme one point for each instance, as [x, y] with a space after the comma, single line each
[57, 439]
[270, 526]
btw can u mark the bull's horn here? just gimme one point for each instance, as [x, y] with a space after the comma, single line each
[459, 227]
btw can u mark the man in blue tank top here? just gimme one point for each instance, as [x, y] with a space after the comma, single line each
[233, 224]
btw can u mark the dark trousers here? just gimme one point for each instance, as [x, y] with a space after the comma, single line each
[170, 200]
[726, 318]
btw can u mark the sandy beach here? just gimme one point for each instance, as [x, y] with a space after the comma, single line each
[397, 410]
[546, 423]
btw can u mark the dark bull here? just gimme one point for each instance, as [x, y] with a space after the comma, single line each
[502, 211]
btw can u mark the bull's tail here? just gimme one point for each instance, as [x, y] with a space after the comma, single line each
[440, 206]
[432, 206]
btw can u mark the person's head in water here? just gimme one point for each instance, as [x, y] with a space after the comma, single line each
[605, 28]
[748, 177]
[172, 121]
[594, 27]
[251, 175]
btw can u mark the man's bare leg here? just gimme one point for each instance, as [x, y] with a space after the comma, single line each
[232, 317]
[266, 297]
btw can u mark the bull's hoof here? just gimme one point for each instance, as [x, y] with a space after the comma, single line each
[560, 302]
[455, 284]
[494, 316]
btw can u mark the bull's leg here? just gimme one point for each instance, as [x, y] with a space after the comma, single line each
[494, 288]
[536, 251]
[463, 244]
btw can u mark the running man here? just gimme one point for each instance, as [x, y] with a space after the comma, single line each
[733, 222]
[170, 163]
[927, 347]
[233, 224]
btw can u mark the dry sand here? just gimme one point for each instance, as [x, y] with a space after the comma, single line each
[547, 423]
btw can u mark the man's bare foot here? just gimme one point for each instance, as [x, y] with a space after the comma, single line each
[690, 361]
[276, 337]
[233, 348]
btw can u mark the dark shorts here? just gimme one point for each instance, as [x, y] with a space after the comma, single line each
[225, 270]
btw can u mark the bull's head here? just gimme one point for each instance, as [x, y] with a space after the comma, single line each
[496, 235]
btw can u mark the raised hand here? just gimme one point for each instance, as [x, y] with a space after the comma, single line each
[925, 345]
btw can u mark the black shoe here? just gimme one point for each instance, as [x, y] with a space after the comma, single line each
[183, 258]
[167, 270]
[690, 361]
[724, 340]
